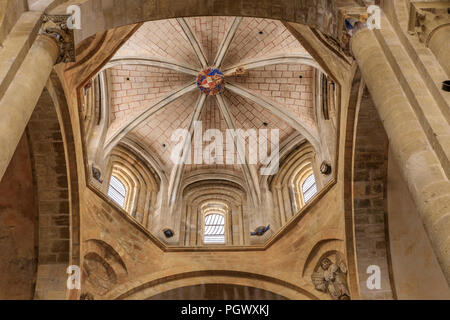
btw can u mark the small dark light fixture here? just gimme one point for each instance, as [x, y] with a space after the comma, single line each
[164, 145]
[301, 77]
[240, 71]
[128, 79]
[326, 169]
[265, 124]
[261, 32]
[97, 174]
[259, 232]
[446, 85]
[168, 233]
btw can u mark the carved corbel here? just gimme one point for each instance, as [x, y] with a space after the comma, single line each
[350, 21]
[330, 276]
[55, 27]
[426, 17]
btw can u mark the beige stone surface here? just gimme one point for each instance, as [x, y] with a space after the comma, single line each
[408, 140]
[440, 47]
[368, 211]
[417, 274]
[17, 106]
[17, 228]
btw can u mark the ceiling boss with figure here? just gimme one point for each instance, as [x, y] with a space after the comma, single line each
[211, 81]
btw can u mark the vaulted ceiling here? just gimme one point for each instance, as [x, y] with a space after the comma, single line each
[154, 92]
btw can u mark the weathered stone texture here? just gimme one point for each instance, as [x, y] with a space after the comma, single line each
[18, 232]
[370, 204]
[51, 182]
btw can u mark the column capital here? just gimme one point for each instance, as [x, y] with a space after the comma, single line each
[351, 20]
[55, 27]
[426, 17]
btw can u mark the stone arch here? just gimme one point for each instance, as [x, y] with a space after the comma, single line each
[370, 173]
[230, 195]
[103, 268]
[62, 109]
[317, 253]
[99, 277]
[149, 286]
[364, 165]
[288, 198]
[217, 292]
[141, 181]
[56, 181]
[109, 253]
[99, 17]
[352, 112]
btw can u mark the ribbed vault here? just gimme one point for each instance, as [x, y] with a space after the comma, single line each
[153, 86]
[153, 91]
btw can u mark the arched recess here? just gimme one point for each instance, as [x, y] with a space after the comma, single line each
[141, 181]
[370, 172]
[227, 198]
[103, 268]
[366, 230]
[218, 292]
[149, 286]
[286, 186]
[58, 96]
[317, 252]
[56, 188]
[130, 183]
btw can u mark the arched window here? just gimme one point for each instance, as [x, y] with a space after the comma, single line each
[309, 188]
[214, 229]
[117, 191]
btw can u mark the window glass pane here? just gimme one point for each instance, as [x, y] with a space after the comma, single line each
[309, 188]
[214, 229]
[117, 191]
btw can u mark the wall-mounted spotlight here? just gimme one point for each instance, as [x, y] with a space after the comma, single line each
[259, 232]
[446, 85]
[168, 233]
[97, 174]
[326, 169]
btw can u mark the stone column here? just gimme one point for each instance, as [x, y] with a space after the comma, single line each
[53, 45]
[420, 166]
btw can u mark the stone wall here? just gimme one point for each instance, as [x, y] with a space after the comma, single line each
[18, 232]
[285, 266]
[10, 11]
[52, 191]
